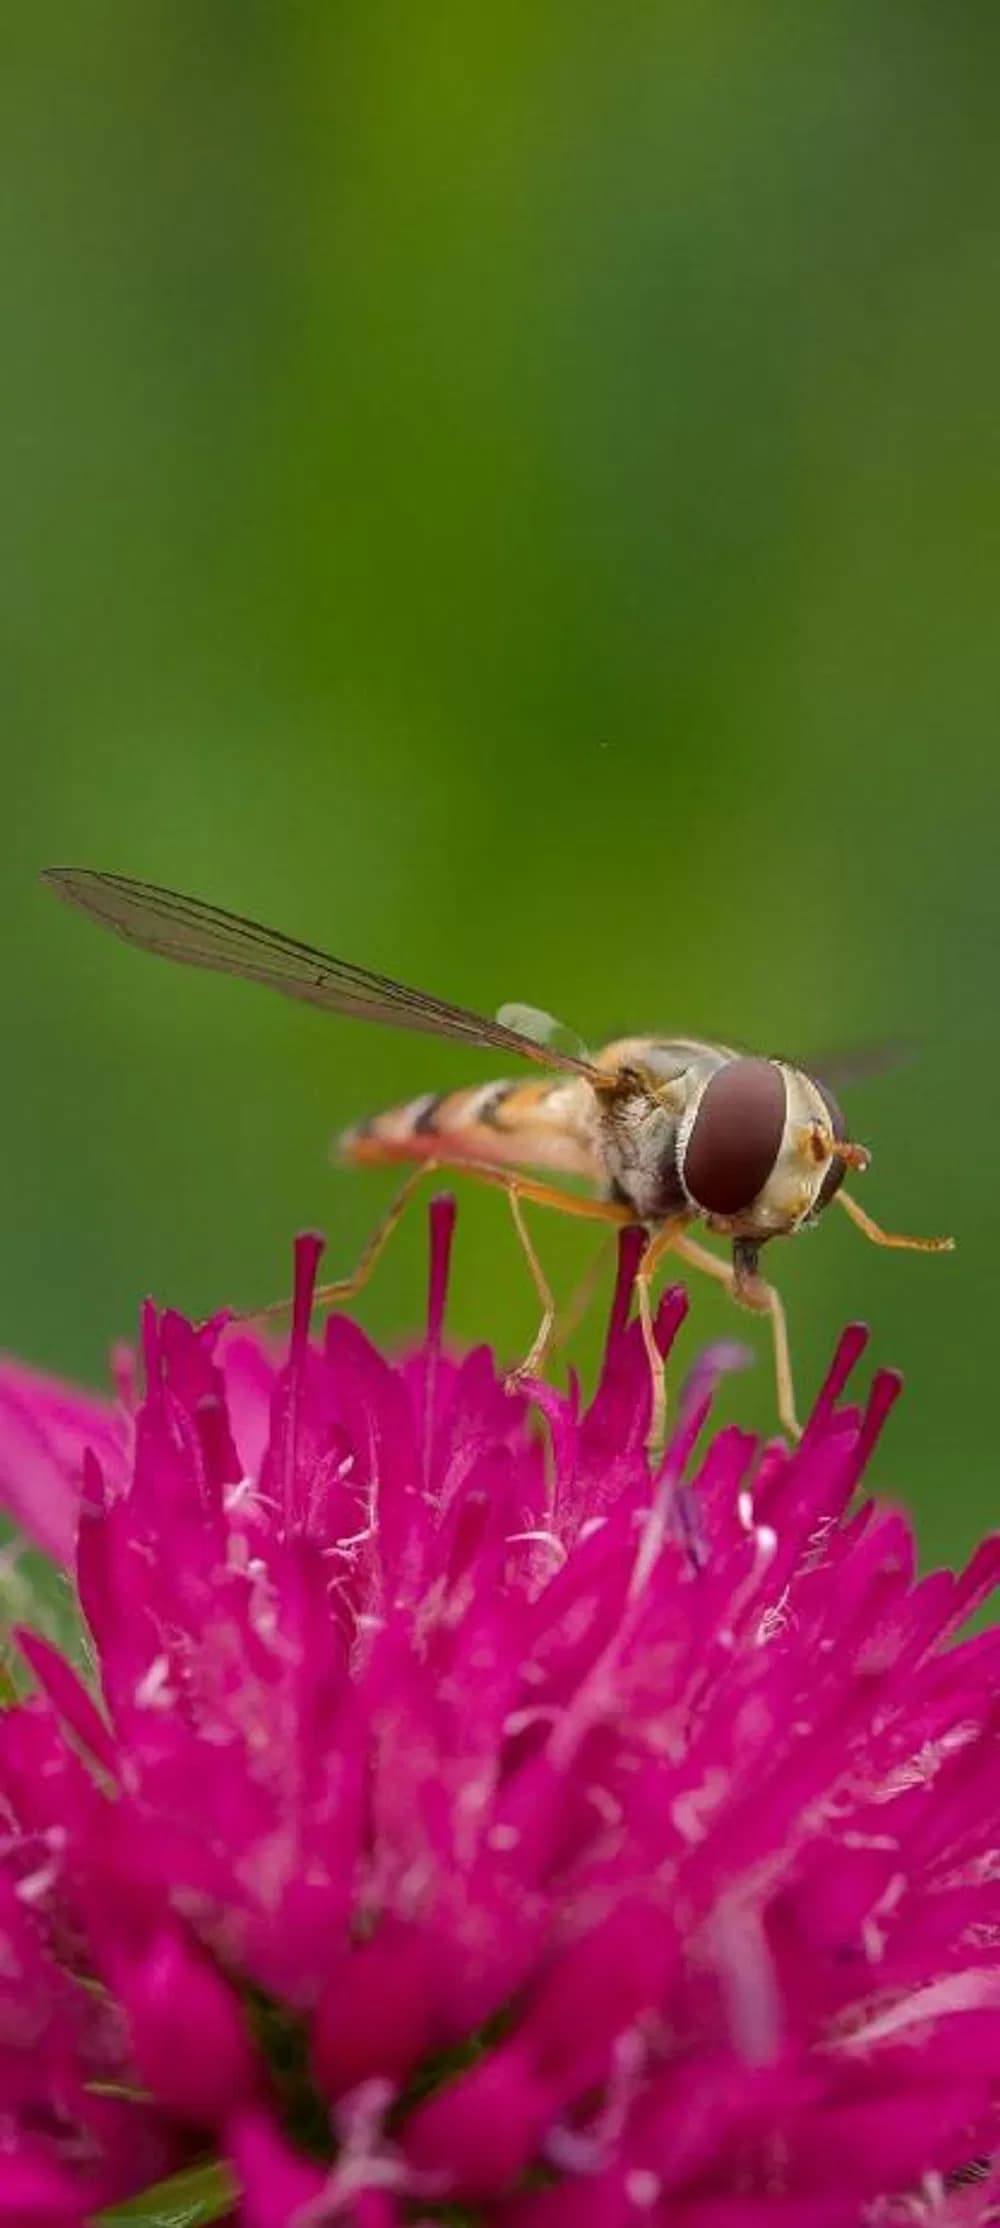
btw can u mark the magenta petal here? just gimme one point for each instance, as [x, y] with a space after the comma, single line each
[69, 1698]
[374, 2018]
[885, 2143]
[249, 1370]
[482, 1823]
[188, 2030]
[478, 2133]
[765, 2211]
[600, 2202]
[44, 1432]
[374, 2208]
[35, 2194]
[276, 2184]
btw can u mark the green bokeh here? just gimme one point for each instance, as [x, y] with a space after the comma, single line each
[513, 495]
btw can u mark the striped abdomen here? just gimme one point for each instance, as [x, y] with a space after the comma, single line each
[529, 1125]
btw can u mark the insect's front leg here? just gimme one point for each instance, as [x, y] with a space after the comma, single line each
[749, 1289]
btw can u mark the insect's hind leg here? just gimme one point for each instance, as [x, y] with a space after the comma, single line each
[517, 1188]
[345, 1288]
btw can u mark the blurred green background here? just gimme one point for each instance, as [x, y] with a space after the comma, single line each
[512, 495]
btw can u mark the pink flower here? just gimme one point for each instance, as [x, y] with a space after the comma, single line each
[450, 1820]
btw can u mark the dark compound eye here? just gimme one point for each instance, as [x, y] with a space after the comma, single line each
[735, 1136]
[837, 1169]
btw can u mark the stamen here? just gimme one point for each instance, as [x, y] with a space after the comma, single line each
[670, 1315]
[630, 1246]
[150, 1343]
[285, 1425]
[850, 1347]
[886, 1388]
[441, 1218]
[309, 1248]
[441, 1226]
[93, 1489]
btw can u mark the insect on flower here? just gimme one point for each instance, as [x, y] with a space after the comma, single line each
[672, 1132]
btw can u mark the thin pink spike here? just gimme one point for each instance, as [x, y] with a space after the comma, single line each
[850, 1347]
[441, 1219]
[309, 1248]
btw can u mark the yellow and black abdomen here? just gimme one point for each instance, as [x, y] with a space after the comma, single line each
[524, 1125]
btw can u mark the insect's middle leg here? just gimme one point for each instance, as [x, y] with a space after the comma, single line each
[518, 1189]
[535, 1357]
[581, 1298]
[753, 1291]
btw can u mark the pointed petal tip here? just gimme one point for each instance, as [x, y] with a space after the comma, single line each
[441, 1219]
[309, 1250]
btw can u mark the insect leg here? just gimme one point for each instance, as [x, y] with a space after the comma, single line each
[753, 1291]
[880, 1237]
[545, 1195]
[660, 1243]
[519, 1188]
[331, 1295]
[537, 1351]
[581, 1298]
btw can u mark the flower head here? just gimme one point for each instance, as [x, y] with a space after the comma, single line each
[454, 1819]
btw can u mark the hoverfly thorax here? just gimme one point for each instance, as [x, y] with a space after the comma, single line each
[650, 1090]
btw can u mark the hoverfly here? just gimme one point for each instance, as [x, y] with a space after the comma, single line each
[672, 1132]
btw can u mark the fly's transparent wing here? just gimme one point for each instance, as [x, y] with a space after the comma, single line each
[196, 934]
[847, 1064]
